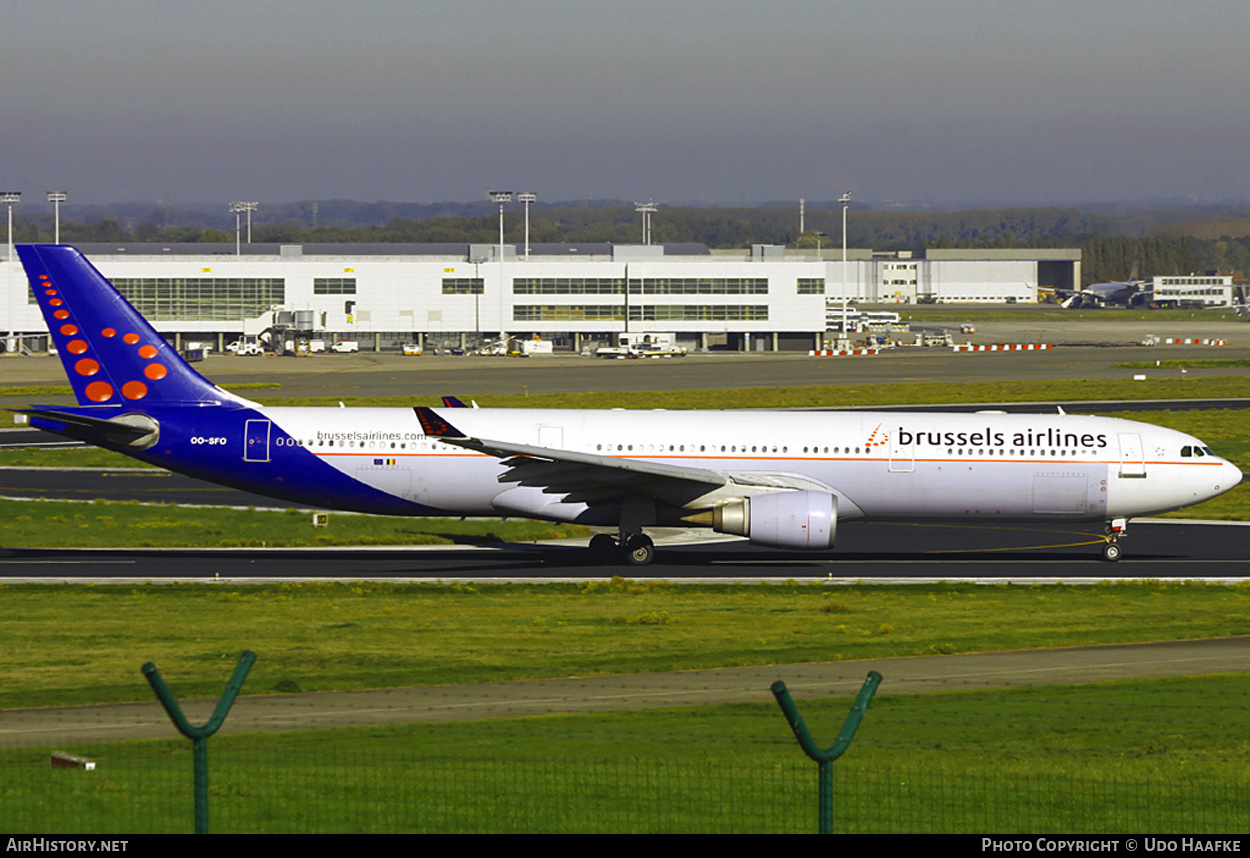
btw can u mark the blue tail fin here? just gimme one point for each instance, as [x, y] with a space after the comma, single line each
[111, 354]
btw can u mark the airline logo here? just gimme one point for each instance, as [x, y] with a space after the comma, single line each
[87, 369]
[435, 426]
[877, 438]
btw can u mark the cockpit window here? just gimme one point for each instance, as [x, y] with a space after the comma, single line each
[1187, 452]
[1208, 451]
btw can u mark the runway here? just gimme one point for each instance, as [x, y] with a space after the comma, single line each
[884, 552]
[1160, 548]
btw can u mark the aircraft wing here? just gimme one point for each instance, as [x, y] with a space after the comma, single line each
[592, 478]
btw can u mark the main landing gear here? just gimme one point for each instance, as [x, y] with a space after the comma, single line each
[639, 550]
[631, 545]
[1111, 549]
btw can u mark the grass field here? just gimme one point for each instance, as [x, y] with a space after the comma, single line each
[810, 396]
[66, 645]
[100, 524]
[1054, 313]
[1203, 363]
[1132, 756]
[1022, 759]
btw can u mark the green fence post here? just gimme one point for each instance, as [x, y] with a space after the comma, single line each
[824, 757]
[199, 735]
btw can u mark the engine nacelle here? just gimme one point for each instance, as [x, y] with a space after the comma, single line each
[804, 520]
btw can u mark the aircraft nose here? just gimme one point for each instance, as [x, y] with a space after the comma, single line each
[1229, 476]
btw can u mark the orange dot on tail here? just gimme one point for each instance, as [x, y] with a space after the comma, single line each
[131, 339]
[86, 366]
[69, 330]
[43, 276]
[49, 291]
[134, 390]
[155, 371]
[99, 391]
[56, 302]
[61, 314]
[147, 351]
[108, 332]
[76, 347]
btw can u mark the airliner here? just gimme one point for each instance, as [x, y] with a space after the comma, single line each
[1127, 292]
[780, 479]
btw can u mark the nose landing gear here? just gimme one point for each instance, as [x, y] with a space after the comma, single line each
[1116, 528]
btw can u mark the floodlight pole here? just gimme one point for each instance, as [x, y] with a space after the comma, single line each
[846, 202]
[56, 198]
[234, 207]
[501, 197]
[646, 210]
[10, 198]
[238, 207]
[527, 197]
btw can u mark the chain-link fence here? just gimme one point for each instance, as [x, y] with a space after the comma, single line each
[141, 787]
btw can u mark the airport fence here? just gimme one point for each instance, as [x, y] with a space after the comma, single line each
[145, 787]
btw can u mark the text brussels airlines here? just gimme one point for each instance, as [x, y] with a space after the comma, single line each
[990, 438]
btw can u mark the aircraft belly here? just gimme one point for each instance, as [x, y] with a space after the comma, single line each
[999, 489]
[458, 485]
[392, 480]
[463, 484]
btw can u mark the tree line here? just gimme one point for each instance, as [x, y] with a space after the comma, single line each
[1107, 251]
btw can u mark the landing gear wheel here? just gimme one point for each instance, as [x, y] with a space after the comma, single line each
[640, 550]
[602, 546]
[1111, 552]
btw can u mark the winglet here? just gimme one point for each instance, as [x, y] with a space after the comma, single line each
[435, 426]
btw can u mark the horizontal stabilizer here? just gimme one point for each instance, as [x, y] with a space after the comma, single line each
[135, 431]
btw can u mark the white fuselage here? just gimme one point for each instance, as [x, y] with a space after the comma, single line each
[893, 465]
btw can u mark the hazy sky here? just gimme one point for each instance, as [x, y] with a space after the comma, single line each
[675, 100]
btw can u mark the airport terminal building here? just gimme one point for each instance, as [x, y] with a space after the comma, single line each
[387, 295]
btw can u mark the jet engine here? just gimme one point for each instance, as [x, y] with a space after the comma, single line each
[795, 519]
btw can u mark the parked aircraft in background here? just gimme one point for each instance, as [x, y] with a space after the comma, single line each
[779, 479]
[1128, 292]
[1240, 306]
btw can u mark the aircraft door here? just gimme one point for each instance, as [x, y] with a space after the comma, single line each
[902, 456]
[1060, 494]
[1132, 456]
[551, 437]
[256, 440]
